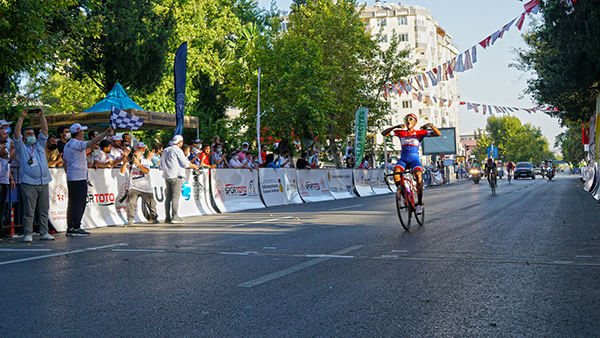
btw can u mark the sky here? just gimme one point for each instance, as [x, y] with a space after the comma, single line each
[491, 81]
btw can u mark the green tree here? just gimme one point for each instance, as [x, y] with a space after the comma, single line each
[483, 142]
[316, 74]
[130, 49]
[562, 53]
[501, 130]
[571, 144]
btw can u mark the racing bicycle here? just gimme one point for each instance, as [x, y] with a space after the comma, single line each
[405, 199]
[493, 182]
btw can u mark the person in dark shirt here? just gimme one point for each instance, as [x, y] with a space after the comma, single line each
[302, 163]
[65, 135]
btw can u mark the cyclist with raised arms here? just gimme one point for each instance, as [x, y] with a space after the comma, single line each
[410, 140]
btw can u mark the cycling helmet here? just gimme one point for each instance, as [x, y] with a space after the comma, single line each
[411, 115]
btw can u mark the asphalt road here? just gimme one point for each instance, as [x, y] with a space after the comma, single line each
[522, 263]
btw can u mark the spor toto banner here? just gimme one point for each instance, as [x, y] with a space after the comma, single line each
[340, 183]
[107, 187]
[362, 182]
[312, 185]
[235, 189]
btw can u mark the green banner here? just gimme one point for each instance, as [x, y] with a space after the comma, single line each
[360, 132]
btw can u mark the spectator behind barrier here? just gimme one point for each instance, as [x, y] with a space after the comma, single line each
[263, 154]
[53, 156]
[302, 163]
[286, 161]
[154, 155]
[7, 182]
[269, 161]
[91, 152]
[218, 158]
[101, 159]
[234, 162]
[64, 136]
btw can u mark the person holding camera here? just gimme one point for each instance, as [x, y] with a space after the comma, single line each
[140, 183]
[34, 174]
[75, 164]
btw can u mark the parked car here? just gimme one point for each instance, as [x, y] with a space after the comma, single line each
[524, 169]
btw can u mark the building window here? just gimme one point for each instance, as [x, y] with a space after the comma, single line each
[384, 38]
[406, 104]
[403, 37]
[382, 22]
[402, 21]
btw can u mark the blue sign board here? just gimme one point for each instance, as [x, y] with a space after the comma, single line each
[492, 151]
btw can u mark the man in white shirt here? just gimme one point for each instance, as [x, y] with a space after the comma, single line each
[76, 167]
[140, 183]
[115, 157]
[101, 158]
[173, 164]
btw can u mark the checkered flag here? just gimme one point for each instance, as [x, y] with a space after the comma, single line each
[120, 119]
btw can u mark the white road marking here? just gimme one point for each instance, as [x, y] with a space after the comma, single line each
[328, 256]
[269, 248]
[137, 250]
[399, 250]
[25, 250]
[61, 254]
[347, 207]
[234, 253]
[295, 268]
[564, 262]
[288, 217]
[582, 256]
[389, 256]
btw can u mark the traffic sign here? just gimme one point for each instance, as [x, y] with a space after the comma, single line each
[492, 152]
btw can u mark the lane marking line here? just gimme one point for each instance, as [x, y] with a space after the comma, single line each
[399, 250]
[137, 250]
[347, 207]
[61, 254]
[296, 268]
[583, 256]
[25, 250]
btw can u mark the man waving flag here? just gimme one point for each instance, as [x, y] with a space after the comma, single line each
[120, 119]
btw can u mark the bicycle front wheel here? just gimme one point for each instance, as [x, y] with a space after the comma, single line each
[420, 217]
[403, 207]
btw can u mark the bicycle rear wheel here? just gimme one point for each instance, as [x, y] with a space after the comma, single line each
[421, 218]
[403, 207]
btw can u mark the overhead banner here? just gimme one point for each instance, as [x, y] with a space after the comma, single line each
[312, 185]
[378, 184]
[360, 132]
[340, 183]
[362, 182]
[235, 189]
[278, 186]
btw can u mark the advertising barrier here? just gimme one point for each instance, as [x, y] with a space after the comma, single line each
[312, 185]
[377, 180]
[235, 189]
[278, 186]
[590, 178]
[106, 186]
[362, 182]
[340, 183]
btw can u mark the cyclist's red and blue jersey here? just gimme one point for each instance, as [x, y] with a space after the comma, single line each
[410, 141]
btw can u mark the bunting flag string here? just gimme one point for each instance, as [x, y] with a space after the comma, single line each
[460, 63]
[487, 108]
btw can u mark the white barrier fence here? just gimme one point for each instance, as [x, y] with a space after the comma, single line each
[206, 192]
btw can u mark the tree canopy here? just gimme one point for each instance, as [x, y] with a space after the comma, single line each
[562, 53]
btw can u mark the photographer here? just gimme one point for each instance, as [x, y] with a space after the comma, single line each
[140, 183]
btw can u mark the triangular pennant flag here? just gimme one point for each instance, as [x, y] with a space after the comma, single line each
[469, 106]
[385, 92]
[449, 70]
[475, 107]
[495, 36]
[459, 67]
[418, 78]
[520, 21]
[425, 81]
[506, 27]
[468, 63]
[474, 54]
[532, 6]
[432, 77]
[398, 89]
[484, 109]
[485, 43]
[438, 72]
[498, 110]
[450, 103]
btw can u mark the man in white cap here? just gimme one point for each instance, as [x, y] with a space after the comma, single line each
[116, 156]
[34, 174]
[75, 164]
[140, 183]
[172, 163]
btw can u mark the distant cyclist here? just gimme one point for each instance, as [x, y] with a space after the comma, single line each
[490, 170]
[410, 140]
[510, 166]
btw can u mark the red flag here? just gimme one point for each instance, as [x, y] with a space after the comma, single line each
[585, 130]
[531, 5]
[520, 21]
